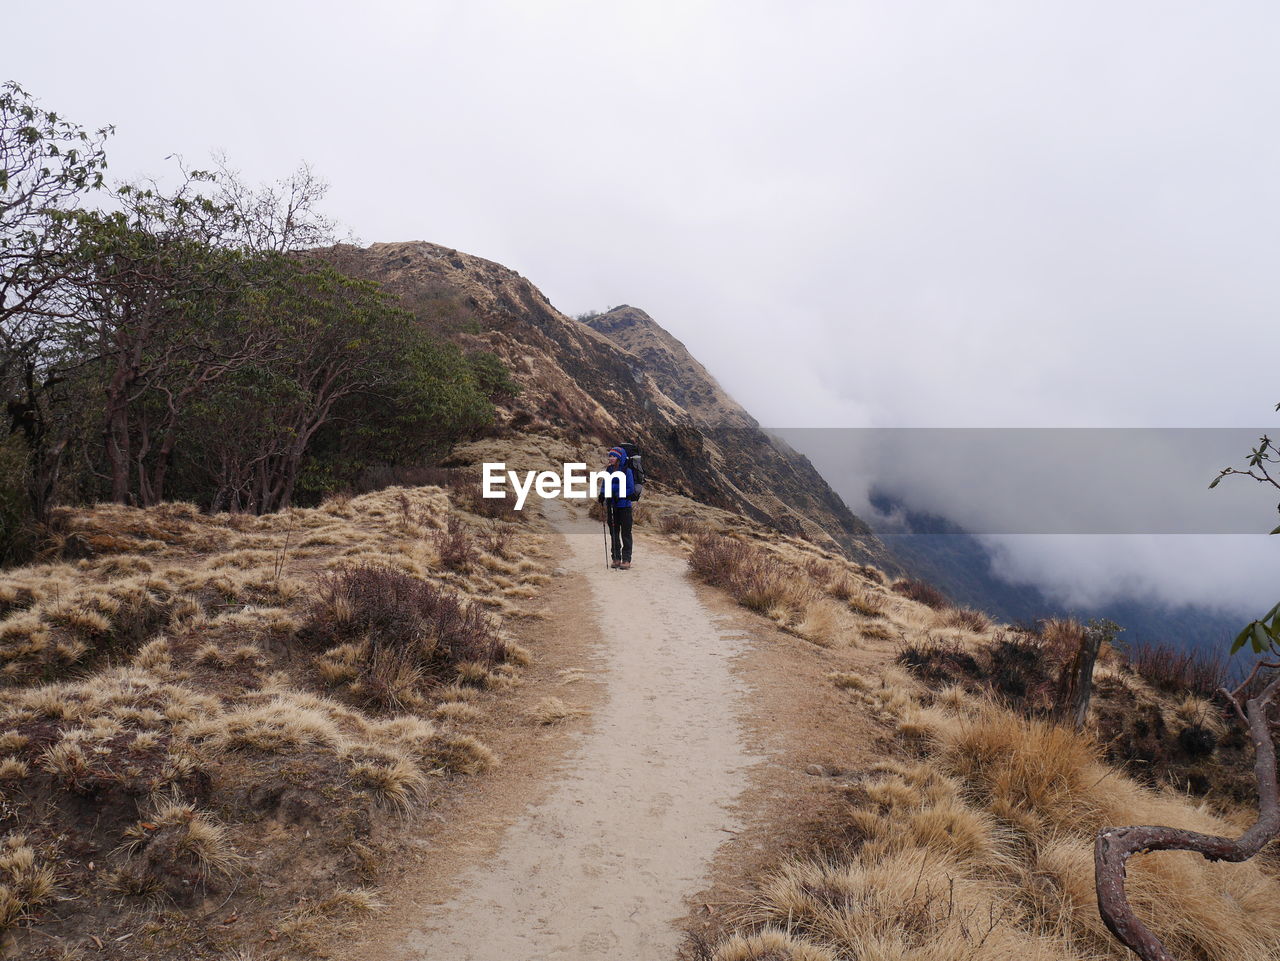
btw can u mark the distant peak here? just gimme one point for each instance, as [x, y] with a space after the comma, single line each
[617, 319]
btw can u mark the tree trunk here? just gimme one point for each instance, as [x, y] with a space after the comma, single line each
[1075, 683]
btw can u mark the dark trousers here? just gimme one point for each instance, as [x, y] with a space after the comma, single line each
[619, 519]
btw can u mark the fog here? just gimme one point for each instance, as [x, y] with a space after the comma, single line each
[856, 215]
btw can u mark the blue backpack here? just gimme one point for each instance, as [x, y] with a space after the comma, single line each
[635, 460]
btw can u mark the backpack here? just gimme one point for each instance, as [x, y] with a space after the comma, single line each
[635, 460]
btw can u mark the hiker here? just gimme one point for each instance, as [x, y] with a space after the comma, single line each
[617, 509]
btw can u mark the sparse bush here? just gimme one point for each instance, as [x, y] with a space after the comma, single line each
[841, 587]
[457, 550]
[470, 497]
[817, 569]
[759, 586]
[718, 559]
[677, 524]
[1173, 671]
[935, 661]
[407, 629]
[872, 574]
[497, 540]
[390, 677]
[923, 593]
[755, 580]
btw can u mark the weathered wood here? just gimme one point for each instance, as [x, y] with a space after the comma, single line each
[1114, 846]
[1075, 683]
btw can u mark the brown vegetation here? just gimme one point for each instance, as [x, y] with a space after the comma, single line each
[923, 593]
[206, 711]
[1161, 733]
[976, 842]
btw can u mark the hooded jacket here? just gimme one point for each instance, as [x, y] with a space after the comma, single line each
[624, 501]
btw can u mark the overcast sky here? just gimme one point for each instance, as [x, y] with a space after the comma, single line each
[892, 214]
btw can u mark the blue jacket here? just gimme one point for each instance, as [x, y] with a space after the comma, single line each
[624, 501]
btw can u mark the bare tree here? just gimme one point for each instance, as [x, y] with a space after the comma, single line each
[1114, 846]
[280, 217]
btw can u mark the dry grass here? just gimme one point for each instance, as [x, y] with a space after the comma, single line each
[176, 836]
[804, 587]
[26, 885]
[981, 848]
[165, 676]
[552, 710]
[792, 590]
[312, 925]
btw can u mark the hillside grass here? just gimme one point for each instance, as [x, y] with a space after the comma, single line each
[210, 726]
[973, 837]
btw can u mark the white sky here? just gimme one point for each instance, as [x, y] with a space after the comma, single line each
[855, 214]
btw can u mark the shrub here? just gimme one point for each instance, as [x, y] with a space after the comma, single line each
[17, 524]
[677, 524]
[818, 569]
[754, 579]
[454, 544]
[497, 540]
[872, 574]
[718, 559]
[924, 593]
[381, 476]
[760, 586]
[469, 496]
[1022, 671]
[936, 661]
[1173, 671]
[414, 631]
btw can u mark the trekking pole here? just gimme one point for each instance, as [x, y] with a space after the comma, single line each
[605, 531]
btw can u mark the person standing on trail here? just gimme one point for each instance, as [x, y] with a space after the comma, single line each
[617, 508]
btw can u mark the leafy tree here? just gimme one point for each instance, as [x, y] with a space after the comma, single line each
[160, 312]
[48, 167]
[187, 339]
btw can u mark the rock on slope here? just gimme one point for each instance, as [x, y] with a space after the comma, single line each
[618, 377]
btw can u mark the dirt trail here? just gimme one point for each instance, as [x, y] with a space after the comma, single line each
[600, 866]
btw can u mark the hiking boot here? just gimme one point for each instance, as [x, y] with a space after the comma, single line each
[616, 564]
[626, 565]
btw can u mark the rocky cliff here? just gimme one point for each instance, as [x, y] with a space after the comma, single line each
[616, 377]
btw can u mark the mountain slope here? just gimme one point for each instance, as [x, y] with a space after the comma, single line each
[621, 378]
[676, 371]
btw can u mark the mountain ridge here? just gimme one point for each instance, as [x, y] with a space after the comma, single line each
[622, 378]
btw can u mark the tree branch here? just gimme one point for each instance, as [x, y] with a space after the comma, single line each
[1114, 846]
